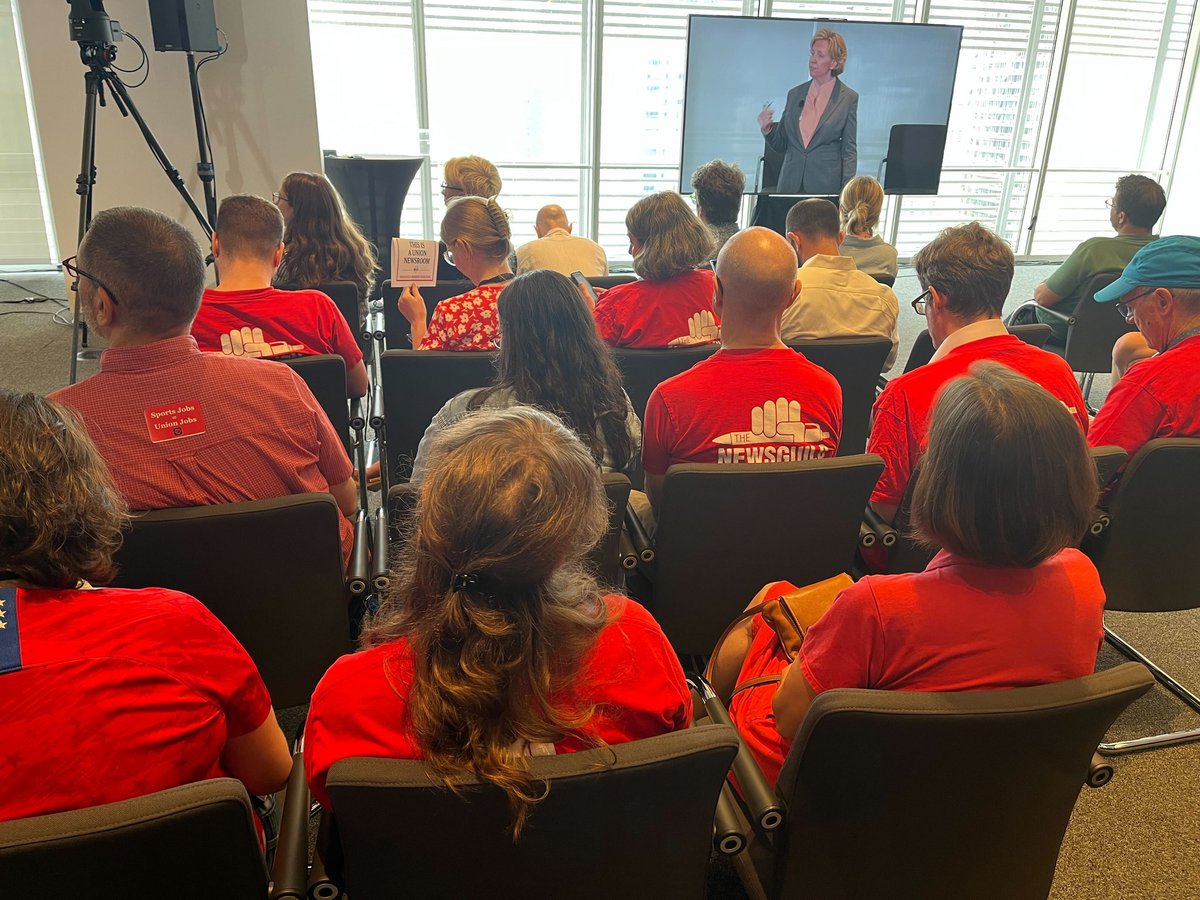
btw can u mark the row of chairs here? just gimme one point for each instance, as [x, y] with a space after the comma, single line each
[863, 808]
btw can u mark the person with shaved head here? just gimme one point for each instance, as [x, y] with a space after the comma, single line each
[559, 250]
[755, 400]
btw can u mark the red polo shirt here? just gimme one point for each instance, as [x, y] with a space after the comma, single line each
[900, 420]
[116, 694]
[178, 427]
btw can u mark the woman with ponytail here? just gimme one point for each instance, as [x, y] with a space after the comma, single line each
[479, 243]
[860, 206]
[495, 643]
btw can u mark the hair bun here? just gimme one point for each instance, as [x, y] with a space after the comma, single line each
[499, 217]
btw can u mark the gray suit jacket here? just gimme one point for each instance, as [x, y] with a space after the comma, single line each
[832, 157]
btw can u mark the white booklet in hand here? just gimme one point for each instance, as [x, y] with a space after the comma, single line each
[414, 262]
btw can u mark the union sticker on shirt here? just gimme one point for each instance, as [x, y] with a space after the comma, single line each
[174, 421]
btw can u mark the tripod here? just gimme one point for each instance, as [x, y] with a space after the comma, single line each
[98, 56]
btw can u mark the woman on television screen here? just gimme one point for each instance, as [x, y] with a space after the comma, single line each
[818, 135]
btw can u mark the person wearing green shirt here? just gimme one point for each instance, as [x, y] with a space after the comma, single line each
[1135, 207]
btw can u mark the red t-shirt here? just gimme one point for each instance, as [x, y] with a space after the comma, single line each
[743, 406]
[178, 427]
[268, 323]
[675, 312]
[466, 322]
[900, 420]
[118, 694]
[632, 675]
[957, 626]
[1158, 397]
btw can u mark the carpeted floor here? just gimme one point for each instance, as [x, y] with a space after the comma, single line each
[1138, 837]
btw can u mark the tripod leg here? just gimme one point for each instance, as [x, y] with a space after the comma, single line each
[204, 168]
[119, 91]
[83, 187]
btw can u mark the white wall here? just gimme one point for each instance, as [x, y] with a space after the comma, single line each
[259, 100]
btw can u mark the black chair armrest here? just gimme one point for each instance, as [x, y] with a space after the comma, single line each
[638, 536]
[731, 831]
[1100, 522]
[358, 418]
[627, 553]
[289, 875]
[321, 884]
[358, 571]
[1100, 772]
[765, 808]
[1033, 304]
[884, 532]
[379, 552]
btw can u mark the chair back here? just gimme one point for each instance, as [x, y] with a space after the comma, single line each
[344, 295]
[194, 842]
[1096, 328]
[416, 384]
[922, 348]
[270, 570]
[726, 530]
[875, 811]
[856, 363]
[884, 279]
[1144, 555]
[644, 370]
[325, 376]
[1108, 461]
[604, 282]
[604, 557]
[647, 805]
[397, 327]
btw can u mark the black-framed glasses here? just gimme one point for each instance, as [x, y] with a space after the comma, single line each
[1108, 204]
[276, 196]
[76, 273]
[1123, 306]
[918, 304]
[451, 187]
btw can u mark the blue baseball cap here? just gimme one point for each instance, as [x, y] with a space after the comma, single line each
[1169, 262]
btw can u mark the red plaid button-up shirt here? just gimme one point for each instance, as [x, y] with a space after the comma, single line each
[178, 427]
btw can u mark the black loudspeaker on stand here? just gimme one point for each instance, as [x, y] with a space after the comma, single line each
[96, 34]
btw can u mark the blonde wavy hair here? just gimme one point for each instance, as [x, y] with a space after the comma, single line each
[60, 516]
[493, 599]
[480, 222]
[473, 175]
[860, 205]
[837, 48]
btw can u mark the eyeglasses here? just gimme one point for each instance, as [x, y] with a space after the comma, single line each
[448, 256]
[276, 196]
[452, 187]
[76, 273]
[496, 342]
[1123, 307]
[1108, 204]
[918, 304]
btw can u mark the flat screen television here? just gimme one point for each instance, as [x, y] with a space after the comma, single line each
[903, 76]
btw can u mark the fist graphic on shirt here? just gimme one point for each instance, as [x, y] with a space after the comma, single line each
[702, 328]
[778, 420]
[247, 341]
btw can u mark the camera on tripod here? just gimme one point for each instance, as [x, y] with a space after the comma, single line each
[90, 24]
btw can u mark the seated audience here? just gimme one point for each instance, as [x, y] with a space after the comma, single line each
[860, 206]
[475, 231]
[321, 243]
[1159, 291]
[1135, 207]
[1007, 602]
[755, 400]
[558, 250]
[245, 316]
[551, 358]
[107, 694]
[835, 299]
[495, 643]
[178, 427]
[719, 187]
[465, 176]
[671, 305]
[965, 272]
